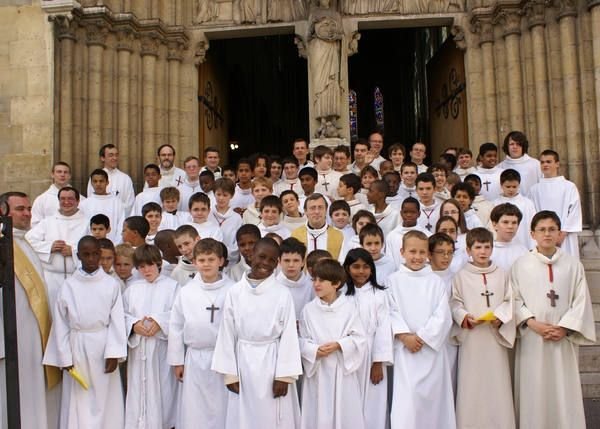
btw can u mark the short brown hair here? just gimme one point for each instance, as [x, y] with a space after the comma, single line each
[208, 246]
[419, 235]
[264, 181]
[480, 235]
[330, 270]
[271, 201]
[147, 254]
[186, 230]
[224, 185]
[169, 193]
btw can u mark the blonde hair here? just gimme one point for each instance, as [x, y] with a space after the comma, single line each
[124, 250]
[264, 181]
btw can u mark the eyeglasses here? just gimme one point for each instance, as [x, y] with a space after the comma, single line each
[546, 230]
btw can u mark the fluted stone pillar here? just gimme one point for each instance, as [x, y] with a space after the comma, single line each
[149, 53]
[96, 39]
[124, 50]
[160, 102]
[486, 43]
[594, 8]
[108, 102]
[67, 39]
[572, 91]
[135, 139]
[476, 94]
[537, 23]
[175, 55]
[510, 19]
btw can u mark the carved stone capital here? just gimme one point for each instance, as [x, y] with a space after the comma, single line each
[176, 50]
[96, 33]
[592, 4]
[509, 20]
[301, 45]
[483, 26]
[125, 39]
[150, 44]
[459, 37]
[200, 52]
[535, 10]
[353, 43]
[58, 8]
[64, 26]
[566, 8]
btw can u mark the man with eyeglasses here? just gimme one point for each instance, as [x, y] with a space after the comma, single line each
[554, 192]
[55, 240]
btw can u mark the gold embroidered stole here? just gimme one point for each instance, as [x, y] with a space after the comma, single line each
[334, 239]
[38, 301]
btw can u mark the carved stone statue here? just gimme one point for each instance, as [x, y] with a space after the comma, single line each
[206, 10]
[246, 11]
[286, 10]
[325, 43]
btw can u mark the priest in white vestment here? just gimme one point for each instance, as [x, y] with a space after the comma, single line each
[46, 204]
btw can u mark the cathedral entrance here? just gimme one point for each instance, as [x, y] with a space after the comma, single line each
[395, 82]
[255, 95]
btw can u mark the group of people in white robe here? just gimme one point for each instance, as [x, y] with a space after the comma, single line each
[393, 300]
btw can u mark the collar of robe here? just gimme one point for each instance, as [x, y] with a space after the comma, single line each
[426, 270]
[263, 286]
[521, 160]
[223, 279]
[281, 278]
[341, 299]
[481, 270]
[367, 287]
[544, 259]
[316, 231]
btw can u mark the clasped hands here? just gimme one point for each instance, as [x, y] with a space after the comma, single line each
[147, 327]
[280, 388]
[326, 349]
[60, 246]
[411, 341]
[547, 331]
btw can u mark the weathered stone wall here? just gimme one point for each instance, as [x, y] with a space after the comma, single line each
[26, 96]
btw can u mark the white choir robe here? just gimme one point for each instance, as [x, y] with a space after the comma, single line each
[393, 242]
[464, 172]
[460, 257]
[490, 182]
[256, 351]
[287, 184]
[110, 206]
[186, 190]
[327, 183]
[242, 198]
[356, 205]
[528, 210]
[229, 222]
[291, 223]
[472, 220]
[483, 208]
[388, 219]
[529, 169]
[208, 229]
[251, 215]
[46, 204]
[39, 407]
[301, 290]
[422, 381]
[451, 347]
[56, 266]
[483, 349]
[429, 216]
[192, 337]
[151, 384]
[89, 327]
[148, 195]
[406, 191]
[374, 313]
[237, 271]
[172, 177]
[504, 254]
[331, 388]
[184, 271]
[554, 400]
[174, 221]
[347, 245]
[384, 266]
[278, 229]
[119, 185]
[562, 197]
[395, 201]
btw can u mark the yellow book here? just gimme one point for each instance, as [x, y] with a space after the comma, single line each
[487, 317]
[78, 378]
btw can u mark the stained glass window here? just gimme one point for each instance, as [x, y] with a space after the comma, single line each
[353, 115]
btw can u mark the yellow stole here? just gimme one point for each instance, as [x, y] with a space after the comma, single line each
[334, 239]
[38, 301]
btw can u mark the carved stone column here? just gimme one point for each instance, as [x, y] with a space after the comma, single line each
[174, 57]
[96, 42]
[150, 45]
[510, 19]
[66, 36]
[536, 12]
[160, 102]
[484, 27]
[125, 39]
[594, 8]
[570, 75]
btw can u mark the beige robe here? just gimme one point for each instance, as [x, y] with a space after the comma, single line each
[547, 384]
[483, 401]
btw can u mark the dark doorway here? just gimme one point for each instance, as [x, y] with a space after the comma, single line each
[267, 93]
[394, 60]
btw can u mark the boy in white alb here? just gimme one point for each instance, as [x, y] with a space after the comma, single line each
[172, 217]
[328, 177]
[430, 207]
[510, 181]
[515, 148]
[228, 220]
[270, 216]
[151, 193]
[152, 389]
[339, 212]
[186, 237]
[242, 197]
[488, 171]
[348, 186]
[480, 204]
[386, 216]
[200, 211]
[555, 193]
[88, 335]
[246, 237]
[259, 357]
[372, 240]
[195, 319]
[465, 163]
[101, 201]
[191, 183]
[46, 204]
[506, 219]
[421, 322]
[292, 275]
[290, 180]
[261, 187]
[408, 174]
[409, 213]
[393, 198]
